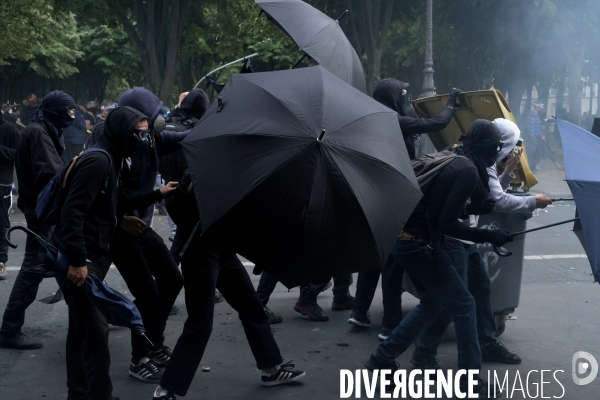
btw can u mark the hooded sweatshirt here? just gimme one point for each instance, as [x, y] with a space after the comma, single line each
[389, 93]
[194, 105]
[140, 176]
[9, 138]
[38, 152]
[89, 216]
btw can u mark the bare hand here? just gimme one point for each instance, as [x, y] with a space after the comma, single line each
[542, 201]
[513, 160]
[168, 189]
[133, 225]
[181, 97]
[77, 275]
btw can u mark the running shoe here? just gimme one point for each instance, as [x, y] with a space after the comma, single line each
[145, 371]
[284, 374]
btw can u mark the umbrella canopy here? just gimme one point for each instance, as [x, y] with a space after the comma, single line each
[309, 176]
[581, 150]
[116, 308]
[319, 36]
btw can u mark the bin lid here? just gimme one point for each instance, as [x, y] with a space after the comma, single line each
[482, 104]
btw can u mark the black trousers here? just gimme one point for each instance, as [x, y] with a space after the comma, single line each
[205, 267]
[152, 277]
[26, 285]
[88, 357]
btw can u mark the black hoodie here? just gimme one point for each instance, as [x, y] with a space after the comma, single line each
[89, 216]
[389, 93]
[9, 138]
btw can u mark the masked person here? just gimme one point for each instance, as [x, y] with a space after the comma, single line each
[37, 161]
[9, 138]
[137, 251]
[447, 182]
[392, 94]
[471, 268]
[87, 221]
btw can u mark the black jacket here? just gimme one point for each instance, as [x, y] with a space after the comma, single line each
[89, 216]
[37, 161]
[9, 138]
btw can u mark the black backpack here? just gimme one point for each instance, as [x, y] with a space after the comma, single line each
[181, 205]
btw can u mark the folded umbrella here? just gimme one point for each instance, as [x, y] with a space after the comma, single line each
[116, 308]
[309, 177]
[581, 149]
[319, 36]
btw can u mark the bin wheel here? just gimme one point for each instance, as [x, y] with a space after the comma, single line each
[500, 330]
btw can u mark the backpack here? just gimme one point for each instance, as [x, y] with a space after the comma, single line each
[173, 165]
[51, 199]
[181, 205]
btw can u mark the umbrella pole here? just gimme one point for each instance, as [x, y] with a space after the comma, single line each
[299, 61]
[509, 253]
[149, 341]
[342, 16]
[225, 66]
[561, 199]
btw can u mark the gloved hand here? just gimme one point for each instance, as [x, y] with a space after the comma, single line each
[480, 208]
[452, 96]
[499, 237]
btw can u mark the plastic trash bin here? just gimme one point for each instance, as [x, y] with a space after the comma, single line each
[505, 272]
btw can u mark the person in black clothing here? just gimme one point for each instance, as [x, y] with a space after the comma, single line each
[88, 219]
[137, 251]
[74, 137]
[392, 93]
[419, 252]
[208, 264]
[9, 137]
[37, 161]
[27, 111]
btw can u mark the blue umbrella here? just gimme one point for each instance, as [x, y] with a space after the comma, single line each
[116, 308]
[581, 150]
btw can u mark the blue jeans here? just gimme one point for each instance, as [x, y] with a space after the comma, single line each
[391, 287]
[471, 269]
[436, 282]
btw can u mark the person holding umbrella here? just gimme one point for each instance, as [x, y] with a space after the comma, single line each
[87, 221]
[419, 250]
[392, 93]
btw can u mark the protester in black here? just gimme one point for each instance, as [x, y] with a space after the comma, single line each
[74, 137]
[392, 93]
[37, 161]
[419, 252]
[9, 137]
[87, 221]
[137, 251]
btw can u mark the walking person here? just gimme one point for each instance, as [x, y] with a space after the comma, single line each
[9, 138]
[37, 161]
[87, 222]
[392, 93]
[74, 137]
[447, 183]
[535, 144]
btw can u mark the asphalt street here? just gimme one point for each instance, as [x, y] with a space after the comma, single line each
[556, 317]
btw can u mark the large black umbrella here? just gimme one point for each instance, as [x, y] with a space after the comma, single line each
[308, 176]
[319, 36]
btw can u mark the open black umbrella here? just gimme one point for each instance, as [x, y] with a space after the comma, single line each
[309, 177]
[319, 36]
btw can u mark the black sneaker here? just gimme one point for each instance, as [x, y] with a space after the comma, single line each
[312, 311]
[497, 352]
[345, 304]
[374, 363]
[283, 375]
[145, 371]
[481, 389]
[424, 362]
[160, 357]
[273, 319]
[168, 396]
[218, 297]
[19, 341]
[360, 319]
[385, 332]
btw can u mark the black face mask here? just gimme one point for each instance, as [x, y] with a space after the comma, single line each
[136, 148]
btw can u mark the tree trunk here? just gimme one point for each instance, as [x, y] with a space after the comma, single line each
[575, 84]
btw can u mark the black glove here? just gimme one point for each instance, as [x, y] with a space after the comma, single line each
[452, 97]
[498, 237]
[481, 207]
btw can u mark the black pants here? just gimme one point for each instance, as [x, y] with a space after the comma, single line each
[26, 285]
[5, 203]
[391, 287]
[88, 358]
[265, 288]
[206, 266]
[152, 278]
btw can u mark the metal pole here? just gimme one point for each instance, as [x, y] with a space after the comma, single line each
[224, 66]
[428, 85]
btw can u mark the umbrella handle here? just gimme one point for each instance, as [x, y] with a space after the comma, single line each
[501, 254]
[20, 228]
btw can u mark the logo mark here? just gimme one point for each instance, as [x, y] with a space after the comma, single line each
[581, 367]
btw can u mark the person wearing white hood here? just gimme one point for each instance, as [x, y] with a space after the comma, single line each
[467, 260]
